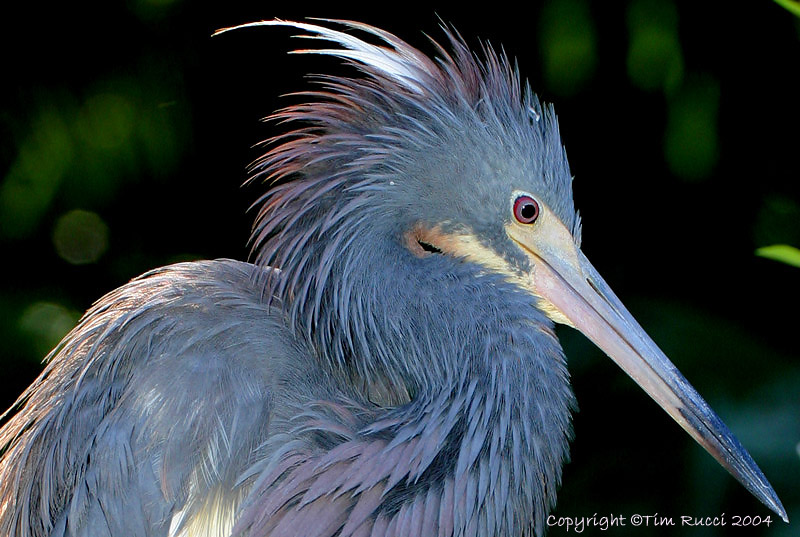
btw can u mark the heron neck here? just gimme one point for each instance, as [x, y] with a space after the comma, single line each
[489, 394]
[450, 360]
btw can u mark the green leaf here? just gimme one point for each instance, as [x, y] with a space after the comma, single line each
[790, 5]
[781, 252]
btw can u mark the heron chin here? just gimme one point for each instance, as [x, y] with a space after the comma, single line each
[385, 366]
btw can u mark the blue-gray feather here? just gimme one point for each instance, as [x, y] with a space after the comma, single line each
[135, 406]
[359, 389]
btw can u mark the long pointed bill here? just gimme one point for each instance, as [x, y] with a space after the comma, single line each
[571, 291]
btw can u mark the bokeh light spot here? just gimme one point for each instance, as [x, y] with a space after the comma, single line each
[80, 237]
[45, 323]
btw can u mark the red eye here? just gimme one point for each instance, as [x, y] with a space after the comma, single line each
[526, 210]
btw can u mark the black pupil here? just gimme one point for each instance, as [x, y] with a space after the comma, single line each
[528, 211]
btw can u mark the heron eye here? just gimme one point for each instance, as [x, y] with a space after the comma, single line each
[526, 210]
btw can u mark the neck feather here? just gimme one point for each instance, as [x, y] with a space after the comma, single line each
[458, 379]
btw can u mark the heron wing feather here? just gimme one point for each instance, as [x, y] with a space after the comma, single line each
[149, 410]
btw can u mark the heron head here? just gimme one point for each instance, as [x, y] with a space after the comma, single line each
[455, 158]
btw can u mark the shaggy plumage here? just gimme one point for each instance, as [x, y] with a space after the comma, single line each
[358, 390]
[362, 156]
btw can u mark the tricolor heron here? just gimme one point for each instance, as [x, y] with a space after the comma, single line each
[385, 366]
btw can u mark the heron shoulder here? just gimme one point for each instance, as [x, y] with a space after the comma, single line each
[185, 352]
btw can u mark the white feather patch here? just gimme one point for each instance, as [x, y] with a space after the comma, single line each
[399, 61]
[214, 519]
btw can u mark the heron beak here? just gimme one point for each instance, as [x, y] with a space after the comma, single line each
[571, 291]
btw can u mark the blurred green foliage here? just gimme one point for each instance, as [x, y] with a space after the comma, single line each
[781, 252]
[87, 150]
[568, 45]
[123, 145]
[655, 59]
[691, 138]
[776, 221]
[33, 179]
[44, 324]
[791, 5]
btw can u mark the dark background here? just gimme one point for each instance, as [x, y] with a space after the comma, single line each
[125, 131]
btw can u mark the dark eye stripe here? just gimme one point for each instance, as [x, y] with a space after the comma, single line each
[526, 210]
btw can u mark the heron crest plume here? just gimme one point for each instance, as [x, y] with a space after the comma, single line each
[365, 148]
